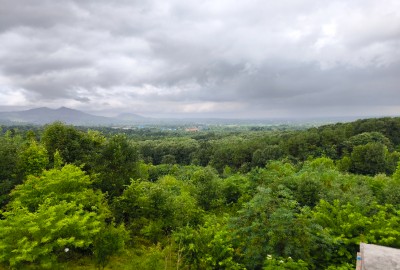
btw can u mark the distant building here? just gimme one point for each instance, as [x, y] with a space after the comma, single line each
[193, 129]
[374, 257]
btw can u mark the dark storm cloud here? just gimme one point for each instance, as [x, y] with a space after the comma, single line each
[244, 57]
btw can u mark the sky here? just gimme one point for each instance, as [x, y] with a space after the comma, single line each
[209, 58]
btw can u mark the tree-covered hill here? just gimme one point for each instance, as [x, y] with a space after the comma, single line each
[75, 198]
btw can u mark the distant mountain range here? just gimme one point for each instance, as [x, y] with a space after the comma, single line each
[41, 116]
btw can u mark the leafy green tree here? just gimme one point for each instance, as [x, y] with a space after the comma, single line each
[271, 224]
[304, 144]
[391, 189]
[49, 215]
[309, 191]
[235, 188]
[116, 165]
[206, 188]
[378, 185]
[44, 235]
[203, 154]
[345, 225]
[331, 138]
[208, 246]
[168, 159]
[232, 152]
[33, 160]
[161, 151]
[270, 152]
[369, 159]
[69, 183]
[74, 146]
[67, 140]
[9, 151]
[155, 257]
[392, 159]
[109, 241]
[365, 138]
[344, 164]
[396, 174]
[57, 161]
[153, 210]
[309, 181]
[275, 172]
[348, 225]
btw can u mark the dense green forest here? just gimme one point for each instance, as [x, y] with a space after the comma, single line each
[78, 198]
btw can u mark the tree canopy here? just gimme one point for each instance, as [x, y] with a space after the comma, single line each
[247, 198]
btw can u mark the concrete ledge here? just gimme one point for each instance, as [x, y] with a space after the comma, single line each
[374, 257]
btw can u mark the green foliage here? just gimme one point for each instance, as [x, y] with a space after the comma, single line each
[270, 152]
[235, 188]
[232, 152]
[365, 138]
[153, 210]
[33, 160]
[109, 241]
[320, 164]
[69, 184]
[154, 257]
[42, 236]
[240, 208]
[343, 266]
[275, 171]
[309, 190]
[116, 165]
[369, 159]
[207, 247]
[378, 185]
[304, 144]
[392, 159]
[391, 191]
[279, 263]
[71, 143]
[49, 215]
[206, 188]
[271, 224]
[9, 155]
[58, 161]
[168, 159]
[349, 225]
[396, 174]
[344, 223]
[9, 149]
[168, 151]
[344, 164]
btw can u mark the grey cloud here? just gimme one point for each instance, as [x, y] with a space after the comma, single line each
[26, 67]
[265, 55]
[35, 13]
[83, 99]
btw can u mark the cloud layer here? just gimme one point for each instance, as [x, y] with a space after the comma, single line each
[248, 58]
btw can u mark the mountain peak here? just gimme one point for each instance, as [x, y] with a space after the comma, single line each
[44, 115]
[63, 108]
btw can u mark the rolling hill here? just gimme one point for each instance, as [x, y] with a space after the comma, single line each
[44, 115]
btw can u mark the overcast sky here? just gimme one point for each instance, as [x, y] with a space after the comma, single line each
[237, 58]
